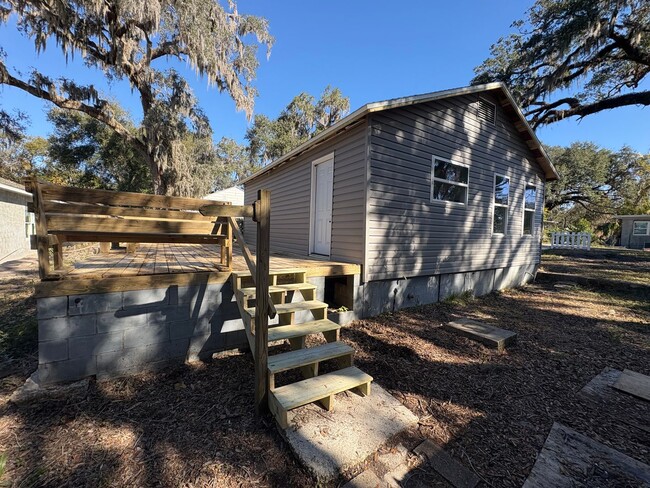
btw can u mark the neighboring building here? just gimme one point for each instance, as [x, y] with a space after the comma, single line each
[635, 231]
[432, 194]
[233, 195]
[17, 223]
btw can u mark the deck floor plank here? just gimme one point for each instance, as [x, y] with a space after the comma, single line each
[133, 268]
[174, 258]
[161, 266]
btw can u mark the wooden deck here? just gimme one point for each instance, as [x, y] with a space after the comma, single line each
[164, 264]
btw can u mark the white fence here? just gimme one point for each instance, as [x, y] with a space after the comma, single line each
[571, 240]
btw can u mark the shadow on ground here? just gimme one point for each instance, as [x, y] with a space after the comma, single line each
[192, 426]
[493, 411]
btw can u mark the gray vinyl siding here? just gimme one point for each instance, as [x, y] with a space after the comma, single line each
[407, 234]
[628, 239]
[290, 186]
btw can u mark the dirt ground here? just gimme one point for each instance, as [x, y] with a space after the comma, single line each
[194, 426]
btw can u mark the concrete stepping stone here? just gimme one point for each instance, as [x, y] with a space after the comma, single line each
[328, 443]
[483, 333]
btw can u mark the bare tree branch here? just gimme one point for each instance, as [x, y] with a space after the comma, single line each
[51, 95]
[548, 114]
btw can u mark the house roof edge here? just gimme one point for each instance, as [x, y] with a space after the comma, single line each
[549, 170]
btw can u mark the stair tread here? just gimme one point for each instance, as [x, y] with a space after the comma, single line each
[272, 272]
[293, 307]
[281, 332]
[250, 291]
[319, 387]
[302, 357]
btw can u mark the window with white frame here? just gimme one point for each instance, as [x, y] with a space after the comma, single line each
[501, 197]
[30, 224]
[449, 182]
[640, 228]
[530, 201]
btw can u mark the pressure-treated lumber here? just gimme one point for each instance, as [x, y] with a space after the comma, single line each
[229, 211]
[302, 357]
[313, 389]
[42, 242]
[301, 330]
[283, 308]
[263, 219]
[140, 237]
[66, 214]
[51, 207]
[64, 224]
[246, 252]
[250, 291]
[274, 272]
[115, 198]
[248, 257]
[487, 334]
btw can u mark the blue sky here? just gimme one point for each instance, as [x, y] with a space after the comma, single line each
[371, 50]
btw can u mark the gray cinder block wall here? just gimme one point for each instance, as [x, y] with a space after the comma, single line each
[112, 334]
[115, 334]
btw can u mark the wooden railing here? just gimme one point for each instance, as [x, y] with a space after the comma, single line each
[67, 214]
[260, 211]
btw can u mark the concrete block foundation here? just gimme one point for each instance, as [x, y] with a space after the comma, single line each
[113, 334]
[392, 295]
[118, 333]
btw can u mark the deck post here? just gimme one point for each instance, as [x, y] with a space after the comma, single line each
[58, 253]
[262, 217]
[42, 244]
[230, 244]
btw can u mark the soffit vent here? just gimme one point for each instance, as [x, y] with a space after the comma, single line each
[486, 111]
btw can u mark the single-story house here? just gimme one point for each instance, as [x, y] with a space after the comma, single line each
[234, 195]
[17, 223]
[635, 231]
[433, 195]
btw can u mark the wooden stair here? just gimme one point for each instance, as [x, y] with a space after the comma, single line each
[315, 387]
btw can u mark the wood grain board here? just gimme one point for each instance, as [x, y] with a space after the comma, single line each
[570, 459]
[117, 269]
[634, 383]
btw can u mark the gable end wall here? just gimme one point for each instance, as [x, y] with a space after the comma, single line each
[408, 235]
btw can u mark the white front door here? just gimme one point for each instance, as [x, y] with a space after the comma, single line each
[322, 201]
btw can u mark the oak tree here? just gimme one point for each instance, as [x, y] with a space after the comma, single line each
[598, 180]
[303, 118]
[131, 40]
[573, 58]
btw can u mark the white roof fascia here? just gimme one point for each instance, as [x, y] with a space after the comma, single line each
[396, 103]
[15, 190]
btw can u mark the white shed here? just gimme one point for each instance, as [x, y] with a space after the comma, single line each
[234, 195]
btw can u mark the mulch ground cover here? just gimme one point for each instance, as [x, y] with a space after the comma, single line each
[494, 410]
[628, 265]
[194, 425]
